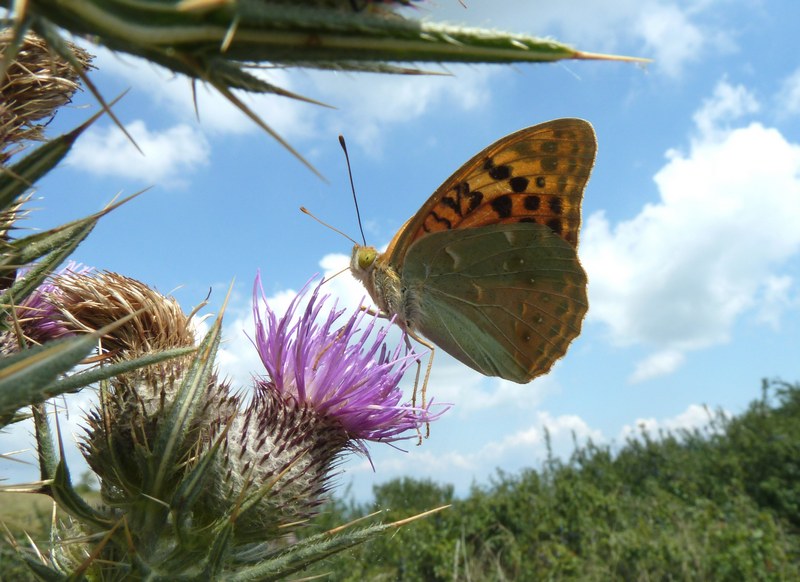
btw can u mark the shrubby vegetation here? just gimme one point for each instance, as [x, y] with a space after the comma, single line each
[713, 504]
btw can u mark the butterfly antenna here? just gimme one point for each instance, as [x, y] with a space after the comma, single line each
[336, 274]
[352, 187]
[305, 210]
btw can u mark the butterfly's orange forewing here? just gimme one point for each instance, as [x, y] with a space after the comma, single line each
[537, 174]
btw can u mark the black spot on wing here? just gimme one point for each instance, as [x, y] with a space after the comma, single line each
[532, 202]
[549, 147]
[500, 172]
[555, 225]
[549, 164]
[518, 184]
[502, 205]
[467, 201]
[442, 220]
[451, 204]
[475, 199]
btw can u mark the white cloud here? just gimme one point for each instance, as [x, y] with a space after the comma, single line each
[678, 275]
[366, 103]
[166, 155]
[523, 447]
[451, 381]
[778, 295]
[561, 430]
[237, 358]
[672, 33]
[727, 104]
[657, 364]
[671, 36]
[694, 417]
[788, 99]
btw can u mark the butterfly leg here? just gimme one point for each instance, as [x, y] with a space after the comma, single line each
[374, 312]
[428, 368]
[431, 349]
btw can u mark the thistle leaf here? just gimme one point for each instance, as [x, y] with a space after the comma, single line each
[70, 501]
[217, 40]
[27, 376]
[79, 380]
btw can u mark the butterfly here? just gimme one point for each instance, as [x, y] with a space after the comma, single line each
[487, 269]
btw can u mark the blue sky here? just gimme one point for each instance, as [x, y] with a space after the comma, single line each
[691, 232]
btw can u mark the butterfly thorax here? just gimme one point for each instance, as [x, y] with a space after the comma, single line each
[381, 280]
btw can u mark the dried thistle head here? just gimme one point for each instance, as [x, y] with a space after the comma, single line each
[135, 405]
[37, 319]
[36, 83]
[89, 303]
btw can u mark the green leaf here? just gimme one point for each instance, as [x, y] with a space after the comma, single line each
[42, 572]
[306, 552]
[27, 377]
[81, 379]
[216, 42]
[71, 502]
[190, 488]
[218, 552]
[45, 445]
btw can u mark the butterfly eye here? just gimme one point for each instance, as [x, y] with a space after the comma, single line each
[366, 257]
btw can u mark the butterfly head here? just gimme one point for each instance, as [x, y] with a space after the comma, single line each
[362, 261]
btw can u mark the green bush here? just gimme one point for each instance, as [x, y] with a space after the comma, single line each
[713, 504]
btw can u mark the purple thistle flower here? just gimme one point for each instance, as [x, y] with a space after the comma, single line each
[335, 369]
[330, 389]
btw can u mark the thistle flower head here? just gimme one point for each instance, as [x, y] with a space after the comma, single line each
[329, 389]
[36, 83]
[336, 369]
[38, 316]
[136, 404]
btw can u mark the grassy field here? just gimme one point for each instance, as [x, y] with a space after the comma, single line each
[26, 512]
[23, 515]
